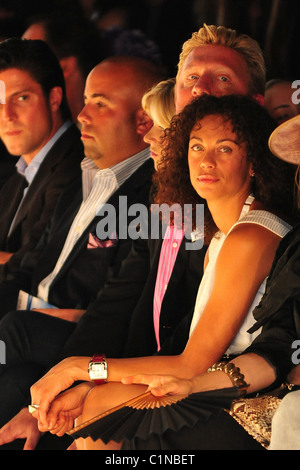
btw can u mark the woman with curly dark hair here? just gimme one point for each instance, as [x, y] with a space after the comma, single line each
[272, 179]
[220, 145]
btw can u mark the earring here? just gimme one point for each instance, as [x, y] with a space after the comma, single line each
[252, 174]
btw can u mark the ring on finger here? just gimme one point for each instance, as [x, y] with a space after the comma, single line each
[32, 408]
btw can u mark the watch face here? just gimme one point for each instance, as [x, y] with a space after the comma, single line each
[98, 370]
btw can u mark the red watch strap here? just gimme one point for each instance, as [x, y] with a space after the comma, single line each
[99, 381]
[98, 357]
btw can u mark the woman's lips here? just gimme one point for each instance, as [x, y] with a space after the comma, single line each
[207, 179]
[153, 154]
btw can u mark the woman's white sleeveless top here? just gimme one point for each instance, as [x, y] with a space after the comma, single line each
[265, 219]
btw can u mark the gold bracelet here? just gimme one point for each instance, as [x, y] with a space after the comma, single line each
[234, 373]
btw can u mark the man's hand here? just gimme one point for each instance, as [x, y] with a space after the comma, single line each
[67, 314]
[22, 426]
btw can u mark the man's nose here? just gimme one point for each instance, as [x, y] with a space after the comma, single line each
[202, 86]
[7, 112]
[84, 115]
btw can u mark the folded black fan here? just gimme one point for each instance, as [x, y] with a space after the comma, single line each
[146, 414]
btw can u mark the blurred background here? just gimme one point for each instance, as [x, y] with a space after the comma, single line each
[159, 27]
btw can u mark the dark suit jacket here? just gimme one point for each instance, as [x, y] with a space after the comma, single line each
[7, 164]
[85, 270]
[60, 167]
[120, 322]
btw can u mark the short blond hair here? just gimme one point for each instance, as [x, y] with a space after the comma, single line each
[241, 43]
[159, 102]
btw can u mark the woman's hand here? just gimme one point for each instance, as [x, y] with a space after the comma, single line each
[65, 409]
[57, 379]
[162, 384]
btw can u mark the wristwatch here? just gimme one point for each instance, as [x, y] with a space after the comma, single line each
[98, 369]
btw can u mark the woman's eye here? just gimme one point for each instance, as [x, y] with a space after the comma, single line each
[223, 79]
[22, 97]
[225, 149]
[197, 147]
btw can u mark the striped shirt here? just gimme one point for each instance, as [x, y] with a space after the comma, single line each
[98, 187]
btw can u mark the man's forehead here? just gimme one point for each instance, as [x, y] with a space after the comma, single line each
[17, 72]
[15, 78]
[108, 82]
[212, 55]
[110, 70]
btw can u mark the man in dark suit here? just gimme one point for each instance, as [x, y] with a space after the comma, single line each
[34, 123]
[7, 164]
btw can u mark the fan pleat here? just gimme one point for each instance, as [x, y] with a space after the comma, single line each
[146, 415]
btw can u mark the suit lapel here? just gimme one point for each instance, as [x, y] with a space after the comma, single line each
[44, 174]
[129, 189]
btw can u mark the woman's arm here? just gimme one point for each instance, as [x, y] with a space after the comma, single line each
[257, 371]
[243, 263]
[258, 374]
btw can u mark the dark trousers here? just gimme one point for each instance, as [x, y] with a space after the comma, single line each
[32, 342]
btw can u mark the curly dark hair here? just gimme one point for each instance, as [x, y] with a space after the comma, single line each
[273, 183]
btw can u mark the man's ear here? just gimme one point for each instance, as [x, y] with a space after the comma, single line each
[55, 98]
[143, 122]
[69, 66]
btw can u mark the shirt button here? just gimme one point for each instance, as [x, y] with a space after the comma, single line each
[175, 245]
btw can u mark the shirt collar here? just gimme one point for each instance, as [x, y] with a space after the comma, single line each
[29, 171]
[121, 171]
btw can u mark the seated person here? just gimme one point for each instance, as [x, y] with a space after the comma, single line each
[279, 100]
[226, 142]
[285, 143]
[35, 123]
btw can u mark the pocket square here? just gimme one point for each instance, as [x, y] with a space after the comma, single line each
[95, 242]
